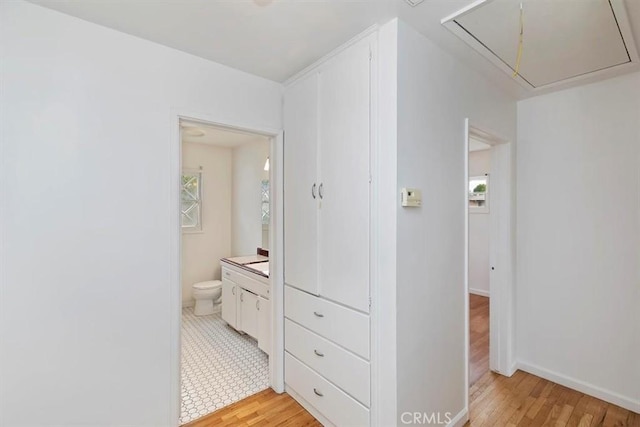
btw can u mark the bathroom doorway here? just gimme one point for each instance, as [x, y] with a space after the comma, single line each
[226, 231]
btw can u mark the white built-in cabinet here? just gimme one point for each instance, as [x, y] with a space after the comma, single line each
[249, 313]
[245, 303]
[327, 178]
[229, 302]
[301, 203]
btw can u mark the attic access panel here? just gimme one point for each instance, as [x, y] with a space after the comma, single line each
[564, 40]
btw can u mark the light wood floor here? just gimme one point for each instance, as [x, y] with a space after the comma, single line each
[522, 400]
[527, 400]
[266, 408]
[478, 337]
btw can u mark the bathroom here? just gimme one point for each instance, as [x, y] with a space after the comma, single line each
[225, 221]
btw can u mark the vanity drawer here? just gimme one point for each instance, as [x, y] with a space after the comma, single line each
[246, 282]
[345, 327]
[329, 400]
[343, 368]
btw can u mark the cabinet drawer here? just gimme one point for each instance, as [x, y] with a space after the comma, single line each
[244, 281]
[333, 403]
[345, 327]
[344, 369]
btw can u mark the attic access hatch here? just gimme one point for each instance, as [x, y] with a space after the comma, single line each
[563, 41]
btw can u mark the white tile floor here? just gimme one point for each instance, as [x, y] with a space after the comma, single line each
[219, 365]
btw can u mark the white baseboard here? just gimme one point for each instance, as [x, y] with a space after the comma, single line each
[460, 419]
[581, 386]
[512, 369]
[480, 292]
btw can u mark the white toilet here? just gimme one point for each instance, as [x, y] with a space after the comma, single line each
[206, 294]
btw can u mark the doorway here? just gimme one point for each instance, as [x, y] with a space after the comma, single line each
[479, 220]
[227, 214]
[489, 194]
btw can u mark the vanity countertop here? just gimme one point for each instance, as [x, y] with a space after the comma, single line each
[247, 259]
[256, 264]
[260, 268]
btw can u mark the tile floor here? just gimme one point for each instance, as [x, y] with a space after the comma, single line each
[219, 365]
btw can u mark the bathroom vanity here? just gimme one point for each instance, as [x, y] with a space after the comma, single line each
[246, 297]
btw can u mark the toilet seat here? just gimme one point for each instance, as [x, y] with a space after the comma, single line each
[209, 284]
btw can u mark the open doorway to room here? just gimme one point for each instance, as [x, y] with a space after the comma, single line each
[489, 233]
[479, 212]
[225, 209]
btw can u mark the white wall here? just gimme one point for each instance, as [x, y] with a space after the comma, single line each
[248, 173]
[202, 250]
[479, 228]
[86, 267]
[579, 238]
[435, 95]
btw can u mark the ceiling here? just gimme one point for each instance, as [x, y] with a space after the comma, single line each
[269, 38]
[276, 39]
[477, 145]
[199, 133]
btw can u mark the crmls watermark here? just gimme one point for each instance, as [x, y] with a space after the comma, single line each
[426, 418]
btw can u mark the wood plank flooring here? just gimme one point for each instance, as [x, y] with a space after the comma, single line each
[523, 400]
[478, 337]
[266, 408]
[527, 400]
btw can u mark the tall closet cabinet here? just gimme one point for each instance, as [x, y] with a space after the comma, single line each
[327, 179]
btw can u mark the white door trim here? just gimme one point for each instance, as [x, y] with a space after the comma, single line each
[465, 200]
[276, 355]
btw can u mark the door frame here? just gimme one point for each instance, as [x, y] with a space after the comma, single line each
[501, 252]
[276, 252]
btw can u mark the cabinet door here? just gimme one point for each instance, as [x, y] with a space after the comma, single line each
[264, 324]
[229, 303]
[249, 313]
[300, 184]
[344, 109]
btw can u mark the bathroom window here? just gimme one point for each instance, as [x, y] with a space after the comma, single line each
[190, 198]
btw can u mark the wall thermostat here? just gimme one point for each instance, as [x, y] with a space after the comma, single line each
[411, 197]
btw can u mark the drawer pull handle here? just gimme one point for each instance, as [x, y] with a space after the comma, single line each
[318, 353]
[318, 314]
[315, 390]
[227, 274]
